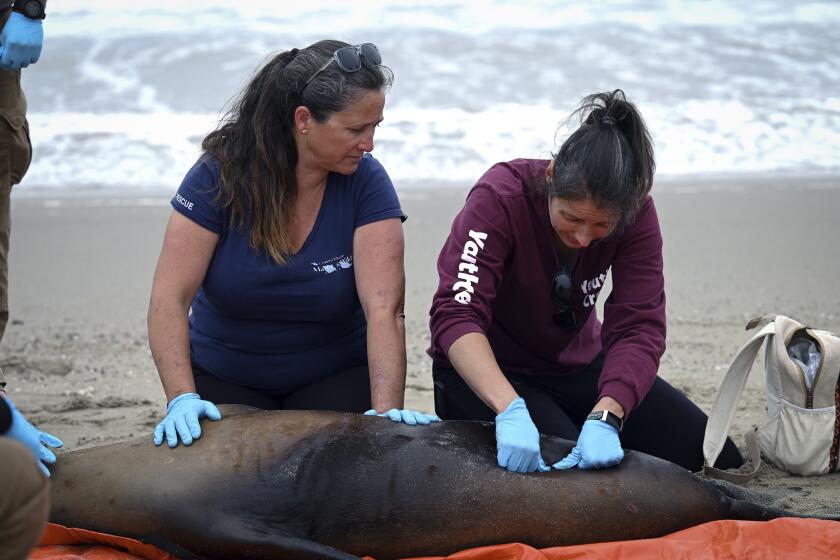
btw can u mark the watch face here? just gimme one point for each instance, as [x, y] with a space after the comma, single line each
[32, 9]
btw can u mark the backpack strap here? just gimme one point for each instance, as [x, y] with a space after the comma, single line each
[723, 411]
[760, 321]
[739, 478]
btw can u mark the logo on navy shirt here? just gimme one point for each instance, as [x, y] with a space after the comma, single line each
[184, 202]
[334, 264]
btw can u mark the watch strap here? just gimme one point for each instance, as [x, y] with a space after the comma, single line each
[5, 416]
[608, 417]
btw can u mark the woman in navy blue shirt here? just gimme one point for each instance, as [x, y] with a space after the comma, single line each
[280, 284]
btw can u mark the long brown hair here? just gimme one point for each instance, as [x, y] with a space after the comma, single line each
[255, 146]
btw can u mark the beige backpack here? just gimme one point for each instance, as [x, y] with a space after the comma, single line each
[801, 433]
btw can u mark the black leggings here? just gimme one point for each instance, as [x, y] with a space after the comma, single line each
[666, 423]
[345, 391]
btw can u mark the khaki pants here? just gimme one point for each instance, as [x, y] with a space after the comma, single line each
[24, 500]
[15, 155]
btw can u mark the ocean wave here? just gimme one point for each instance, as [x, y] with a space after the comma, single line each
[123, 17]
[124, 92]
[443, 146]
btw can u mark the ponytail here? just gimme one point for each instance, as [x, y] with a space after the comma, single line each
[608, 158]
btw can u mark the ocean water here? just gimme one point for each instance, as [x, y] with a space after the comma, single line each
[125, 90]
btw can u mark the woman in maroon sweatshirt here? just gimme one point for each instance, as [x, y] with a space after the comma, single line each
[515, 335]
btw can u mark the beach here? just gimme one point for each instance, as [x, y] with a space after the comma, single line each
[76, 350]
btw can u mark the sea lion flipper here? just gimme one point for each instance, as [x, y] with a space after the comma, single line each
[291, 547]
[264, 543]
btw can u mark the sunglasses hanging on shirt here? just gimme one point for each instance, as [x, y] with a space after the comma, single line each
[561, 297]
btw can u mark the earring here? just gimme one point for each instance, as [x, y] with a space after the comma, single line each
[304, 131]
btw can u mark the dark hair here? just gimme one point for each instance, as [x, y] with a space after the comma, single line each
[255, 144]
[609, 157]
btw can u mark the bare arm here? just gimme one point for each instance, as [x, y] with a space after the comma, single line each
[474, 361]
[378, 250]
[184, 258]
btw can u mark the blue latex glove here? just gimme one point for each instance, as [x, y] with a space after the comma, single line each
[20, 42]
[33, 439]
[182, 415]
[517, 440]
[597, 447]
[410, 417]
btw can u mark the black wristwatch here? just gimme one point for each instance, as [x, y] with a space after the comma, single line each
[608, 417]
[33, 9]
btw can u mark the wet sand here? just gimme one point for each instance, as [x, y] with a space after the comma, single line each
[77, 358]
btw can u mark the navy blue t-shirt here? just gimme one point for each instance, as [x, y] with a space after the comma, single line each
[277, 327]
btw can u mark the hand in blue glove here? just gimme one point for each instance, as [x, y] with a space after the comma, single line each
[517, 439]
[20, 42]
[33, 439]
[410, 417]
[182, 415]
[597, 447]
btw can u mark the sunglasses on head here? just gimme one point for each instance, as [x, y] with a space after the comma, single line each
[349, 59]
[561, 297]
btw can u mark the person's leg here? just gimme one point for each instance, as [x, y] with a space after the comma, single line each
[345, 391]
[454, 400]
[5, 230]
[561, 402]
[24, 500]
[668, 425]
[546, 412]
[15, 155]
[219, 391]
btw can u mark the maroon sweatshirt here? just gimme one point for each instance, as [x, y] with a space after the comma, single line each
[495, 273]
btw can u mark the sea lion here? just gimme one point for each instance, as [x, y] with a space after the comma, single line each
[299, 484]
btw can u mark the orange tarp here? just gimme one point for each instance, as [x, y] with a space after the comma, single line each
[64, 543]
[810, 539]
[785, 538]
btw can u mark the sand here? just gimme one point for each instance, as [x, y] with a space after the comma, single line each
[76, 352]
